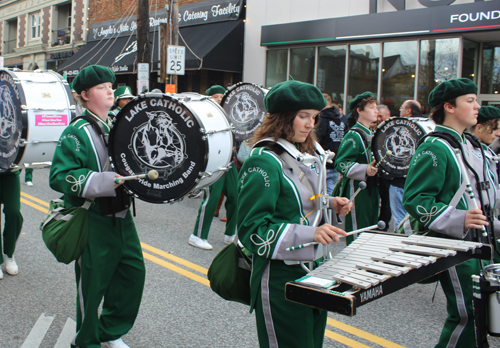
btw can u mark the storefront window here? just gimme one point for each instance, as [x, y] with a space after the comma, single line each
[470, 59]
[490, 79]
[364, 63]
[277, 61]
[302, 62]
[438, 63]
[398, 74]
[331, 72]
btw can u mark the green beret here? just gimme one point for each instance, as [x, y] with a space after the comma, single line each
[294, 95]
[215, 89]
[357, 99]
[487, 113]
[91, 76]
[71, 87]
[123, 92]
[451, 89]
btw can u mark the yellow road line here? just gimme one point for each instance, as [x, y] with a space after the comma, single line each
[34, 199]
[180, 261]
[33, 205]
[363, 334]
[177, 269]
[344, 340]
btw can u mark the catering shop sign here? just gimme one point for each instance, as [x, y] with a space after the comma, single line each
[193, 14]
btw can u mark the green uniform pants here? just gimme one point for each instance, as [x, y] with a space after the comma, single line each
[227, 185]
[365, 210]
[281, 323]
[458, 330]
[28, 175]
[112, 267]
[10, 197]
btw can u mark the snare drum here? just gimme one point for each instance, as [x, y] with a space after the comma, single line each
[185, 137]
[35, 107]
[400, 135]
[492, 274]
[244, 107]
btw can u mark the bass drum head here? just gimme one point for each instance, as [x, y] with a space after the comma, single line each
[399, 135]
[244, 107]
[11, 120]
[158, 132]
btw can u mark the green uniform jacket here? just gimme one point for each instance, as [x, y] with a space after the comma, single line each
[272, 209]
[433, 179]
[79, 166]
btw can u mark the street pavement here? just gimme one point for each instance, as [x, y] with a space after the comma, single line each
[178, 307]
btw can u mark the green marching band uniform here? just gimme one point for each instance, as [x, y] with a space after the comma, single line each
[273, 207]
[211, 196]
[10, 197]
[352, 159]
[112, 265]
[123, 92]
[435, 199]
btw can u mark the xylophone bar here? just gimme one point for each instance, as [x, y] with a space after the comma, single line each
[375, 265]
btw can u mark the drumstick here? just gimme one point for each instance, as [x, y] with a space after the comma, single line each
[388, 153]
[362, 186]
[469, 188]
[380, 225]
[152, 174]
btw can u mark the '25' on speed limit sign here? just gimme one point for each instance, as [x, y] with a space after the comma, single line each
[176, 59]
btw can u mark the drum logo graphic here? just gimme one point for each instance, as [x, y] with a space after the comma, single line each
[158, 143]
[401, 143]
[8, 113]
[245, 108]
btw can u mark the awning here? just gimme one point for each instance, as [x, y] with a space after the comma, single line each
[220, 45]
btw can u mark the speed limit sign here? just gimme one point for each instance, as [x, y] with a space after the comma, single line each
[176, 59]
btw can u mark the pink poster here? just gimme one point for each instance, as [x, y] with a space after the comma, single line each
[51, 120]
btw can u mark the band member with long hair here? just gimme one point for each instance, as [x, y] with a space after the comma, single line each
[276, 208]
[355, 162]
[111, 266]
[438, 203]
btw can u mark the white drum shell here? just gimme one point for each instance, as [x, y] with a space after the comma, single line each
[219, 136]
[48, 109]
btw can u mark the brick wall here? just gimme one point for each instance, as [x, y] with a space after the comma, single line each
[22, 29]
[78, 13]
[105, 10]
[46, 25]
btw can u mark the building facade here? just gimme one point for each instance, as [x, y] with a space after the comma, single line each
[38, 34]
[397, 49]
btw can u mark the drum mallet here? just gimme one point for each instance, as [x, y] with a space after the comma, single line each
[388, 153]
[362, 186]
[152, 174]
[380, 225]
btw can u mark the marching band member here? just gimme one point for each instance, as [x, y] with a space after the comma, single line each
[10, 197]
[227, 185]
[274, 209]
[355, 162]
[111, 266]
[434, 199]
[123, 95]
[487, 128]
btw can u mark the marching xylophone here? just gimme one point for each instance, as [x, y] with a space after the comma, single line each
[377, 264]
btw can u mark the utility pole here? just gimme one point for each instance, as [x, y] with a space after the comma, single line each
[174, 27]
[143, 46]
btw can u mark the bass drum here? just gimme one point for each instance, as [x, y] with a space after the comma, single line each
[35, 107]
[399, 135]
[186, 138]
[244, 107]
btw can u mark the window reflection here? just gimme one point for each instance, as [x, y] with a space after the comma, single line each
[470, 59]
[302, 62]
[363, 69]
[398, 74]
[331, 72]
[490, 80]
[438, 63]
[277, 61]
